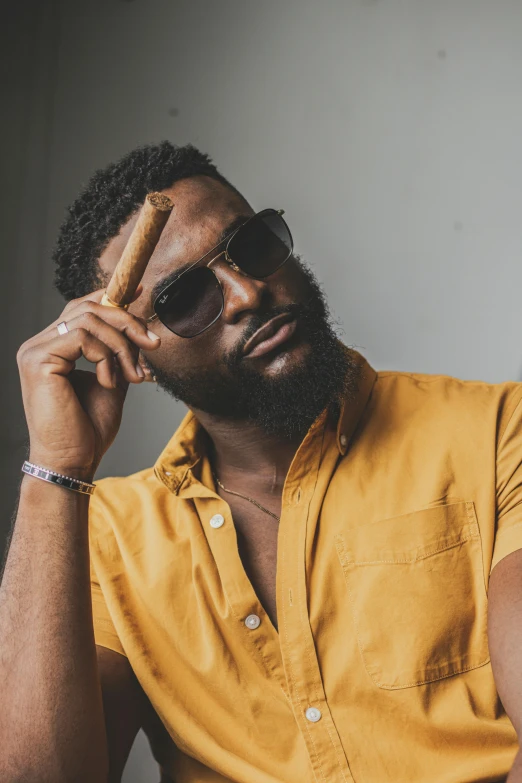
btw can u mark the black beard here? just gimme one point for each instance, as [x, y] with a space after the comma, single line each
[286, 404]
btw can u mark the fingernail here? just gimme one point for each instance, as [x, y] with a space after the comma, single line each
[140, 371]
[151, 335]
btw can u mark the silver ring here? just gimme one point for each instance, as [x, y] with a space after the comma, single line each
[62, 328]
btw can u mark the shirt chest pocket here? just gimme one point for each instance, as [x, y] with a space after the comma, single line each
[417, 592]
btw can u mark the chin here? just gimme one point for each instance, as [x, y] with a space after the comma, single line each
[286, 357]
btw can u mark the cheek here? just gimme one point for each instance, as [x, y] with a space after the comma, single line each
[290, 280]
[177, 354]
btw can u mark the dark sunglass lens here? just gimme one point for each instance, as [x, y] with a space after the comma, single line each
[262, 245]
[191, 304]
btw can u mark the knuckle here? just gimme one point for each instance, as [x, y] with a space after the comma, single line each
[123, 320]
[123, 340]
[27, 359]
[88, 319]
[139, 326]
[71, 304]
[124, 352]
[136, 320]
[80, 304]
[80, 333]
[119, 340]
[21, 354]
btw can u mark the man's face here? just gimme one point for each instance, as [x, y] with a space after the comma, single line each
[210, 372]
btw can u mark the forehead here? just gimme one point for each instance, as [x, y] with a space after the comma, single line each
[203, 207]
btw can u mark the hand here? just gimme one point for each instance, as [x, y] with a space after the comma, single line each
[73, 415]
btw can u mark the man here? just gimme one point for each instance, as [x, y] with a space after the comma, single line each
[298, 589]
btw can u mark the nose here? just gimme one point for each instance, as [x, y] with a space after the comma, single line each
[242, 293]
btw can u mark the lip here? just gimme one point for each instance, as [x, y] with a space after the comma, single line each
[269, 336]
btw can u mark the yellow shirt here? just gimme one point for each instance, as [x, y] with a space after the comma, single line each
[392, 519]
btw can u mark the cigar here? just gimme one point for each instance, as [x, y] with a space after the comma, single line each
[138, 250]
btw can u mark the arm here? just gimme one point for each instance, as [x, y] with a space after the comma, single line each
[52, 725]
[95, 701]
[505, 641]
[51, 715]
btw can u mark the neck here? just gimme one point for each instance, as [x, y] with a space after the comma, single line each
[242, 454]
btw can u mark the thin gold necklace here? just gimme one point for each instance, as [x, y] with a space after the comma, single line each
[245, 497]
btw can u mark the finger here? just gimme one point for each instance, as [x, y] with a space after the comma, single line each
[59, 356]
[94, 297]
[132, 326]
[125, 351]
[81, 381]
[120, 380]
[149, 375]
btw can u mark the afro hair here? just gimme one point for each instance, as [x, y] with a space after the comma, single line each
[111, 196]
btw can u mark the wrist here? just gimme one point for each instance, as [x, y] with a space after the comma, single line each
[49, 508]
[53, 463]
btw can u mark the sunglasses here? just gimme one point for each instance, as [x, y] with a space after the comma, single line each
[195, 300]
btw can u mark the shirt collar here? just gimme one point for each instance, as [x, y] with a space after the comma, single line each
[353, 406]
[184, 451]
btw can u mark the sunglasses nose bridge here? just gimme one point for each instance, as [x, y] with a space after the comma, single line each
[223, 252]
[232, 264]
[229, 261]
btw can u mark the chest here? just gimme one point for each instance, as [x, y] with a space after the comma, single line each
[257, 537]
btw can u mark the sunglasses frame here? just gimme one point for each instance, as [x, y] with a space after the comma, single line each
[229, 261]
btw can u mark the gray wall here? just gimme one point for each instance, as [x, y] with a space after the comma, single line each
[388, 129]
[28, 41]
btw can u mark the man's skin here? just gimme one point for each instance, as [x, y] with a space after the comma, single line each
[70, 711]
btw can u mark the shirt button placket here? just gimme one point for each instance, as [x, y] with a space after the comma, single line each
[313, 714]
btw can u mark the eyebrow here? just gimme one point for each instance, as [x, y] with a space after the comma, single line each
[175, 273]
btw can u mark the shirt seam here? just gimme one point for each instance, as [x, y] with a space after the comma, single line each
[502, 436]
[443, 548]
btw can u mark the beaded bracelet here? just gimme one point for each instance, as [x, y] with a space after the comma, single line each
[57, 478]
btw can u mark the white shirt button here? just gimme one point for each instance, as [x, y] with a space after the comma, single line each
[313, 714]
[252, 621]
[217, 520]
[344, 440]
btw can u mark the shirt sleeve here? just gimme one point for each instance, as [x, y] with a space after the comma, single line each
[508, 536]
[104, 631]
